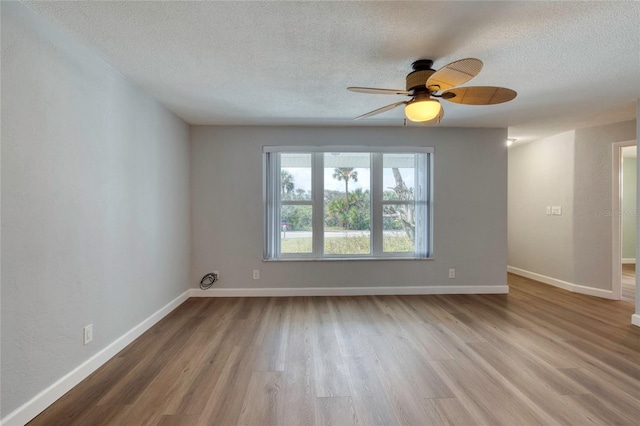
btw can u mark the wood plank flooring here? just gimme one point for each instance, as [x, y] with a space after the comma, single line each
[537, 356]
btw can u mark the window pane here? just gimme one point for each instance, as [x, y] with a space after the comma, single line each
[399, 220]
[295, 229]
[398, 228]
[398, 176]
[295, 177]
[347, 203]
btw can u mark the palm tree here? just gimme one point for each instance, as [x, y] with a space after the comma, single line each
[405, 214]
[346, 174]
[286, 182]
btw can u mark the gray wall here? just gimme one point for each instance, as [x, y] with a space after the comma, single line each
[470, 208]
[573, 168]
[593, 198]
[541, 175]
[629, 170]
[95, 205]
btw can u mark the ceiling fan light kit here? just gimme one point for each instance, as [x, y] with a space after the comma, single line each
[422, 109]
[424, 84]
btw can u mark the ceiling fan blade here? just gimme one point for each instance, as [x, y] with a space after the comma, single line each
[454, 74]
[479, 95]
[380, 110]
[375, 91]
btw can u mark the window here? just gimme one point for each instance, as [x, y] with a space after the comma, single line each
[347, 203]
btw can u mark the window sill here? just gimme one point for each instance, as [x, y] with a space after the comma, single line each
[348, 259]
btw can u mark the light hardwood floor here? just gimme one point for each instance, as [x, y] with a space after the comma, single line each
[538, 356]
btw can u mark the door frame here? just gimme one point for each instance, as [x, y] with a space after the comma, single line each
[616, 218]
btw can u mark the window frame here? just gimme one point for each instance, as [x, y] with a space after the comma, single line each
[272, 202]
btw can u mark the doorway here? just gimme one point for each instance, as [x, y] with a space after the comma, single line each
[624, 215]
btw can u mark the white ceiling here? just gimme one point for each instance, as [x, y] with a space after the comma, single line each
[573, 64]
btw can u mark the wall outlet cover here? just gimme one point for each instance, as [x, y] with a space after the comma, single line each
[87, 334]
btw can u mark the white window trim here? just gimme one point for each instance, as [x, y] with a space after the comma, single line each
[271, 229]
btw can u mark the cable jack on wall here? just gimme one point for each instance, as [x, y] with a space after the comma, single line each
[207, 281]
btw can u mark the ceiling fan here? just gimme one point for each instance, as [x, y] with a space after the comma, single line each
[426, 85]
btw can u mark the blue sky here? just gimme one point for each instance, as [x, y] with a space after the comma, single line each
[302, 178]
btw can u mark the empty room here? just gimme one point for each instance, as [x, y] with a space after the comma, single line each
[319, 213]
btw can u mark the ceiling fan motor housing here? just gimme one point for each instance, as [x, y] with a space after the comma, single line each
[417, 79]
[421, 72]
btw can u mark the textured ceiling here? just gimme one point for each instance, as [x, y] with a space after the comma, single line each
[573, 64]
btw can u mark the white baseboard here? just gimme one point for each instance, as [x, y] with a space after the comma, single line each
[38, 403]
[348, 291]
[628, 260]
[576, 288]
[635, 319]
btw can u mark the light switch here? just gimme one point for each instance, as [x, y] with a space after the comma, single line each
[548, 210]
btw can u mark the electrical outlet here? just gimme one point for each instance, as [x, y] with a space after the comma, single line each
[452, 273]
[217, 273]
[556, 210]
[256, 274]
[88, 334]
